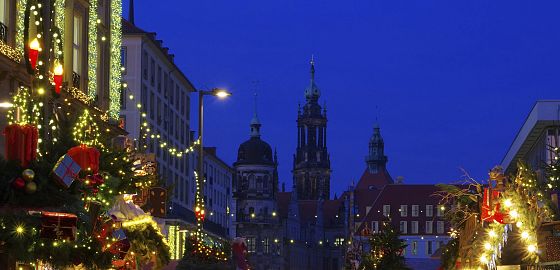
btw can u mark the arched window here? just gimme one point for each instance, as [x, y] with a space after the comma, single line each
[252, 184]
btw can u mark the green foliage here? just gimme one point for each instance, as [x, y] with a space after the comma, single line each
[449, 254]
[385, 250]
[193, 260]
[145, 241]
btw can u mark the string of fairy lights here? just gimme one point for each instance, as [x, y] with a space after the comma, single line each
[92, 49]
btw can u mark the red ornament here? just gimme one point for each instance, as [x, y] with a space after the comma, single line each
[94, 181]
[87, 157]
[21, 143]
[492, 211]
[57, 77]
[58, 226]
[18, 183]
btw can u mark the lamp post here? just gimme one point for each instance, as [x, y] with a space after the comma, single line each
[200, 180]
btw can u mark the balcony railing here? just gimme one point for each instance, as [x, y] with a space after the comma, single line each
[3, 32]
[76, 80]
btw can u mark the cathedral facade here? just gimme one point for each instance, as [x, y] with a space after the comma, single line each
[298, 229]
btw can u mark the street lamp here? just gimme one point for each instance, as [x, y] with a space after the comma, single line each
[199, 201]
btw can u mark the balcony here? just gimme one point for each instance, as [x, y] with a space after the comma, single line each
[76, 80]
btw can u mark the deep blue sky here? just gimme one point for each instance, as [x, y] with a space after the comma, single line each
[452, 80]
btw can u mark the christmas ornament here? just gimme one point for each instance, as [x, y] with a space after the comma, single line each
[30, 188]
[34, 48]
[156, 204]
[57, 77]
[28, 175]
[94, 181]
[65, 170]
[87, 157]
[58, 226]
[21, 143]
[18, 183]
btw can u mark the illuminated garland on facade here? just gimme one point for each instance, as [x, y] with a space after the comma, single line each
[59, 17]
[10, 52]
[20, 42]
[92, 49]
[115, 60]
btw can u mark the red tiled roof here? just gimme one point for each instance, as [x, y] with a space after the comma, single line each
[374, 180]
[396, 195]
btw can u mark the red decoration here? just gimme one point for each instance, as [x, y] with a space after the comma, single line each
[58, 226]
[33, 55]
[21, 143]
[18, 183]
[86, 157]
[57, 83]
[156, 204]
[492, 212]
[94, 181]
[120, 248]
[199, 213]
[239, 250]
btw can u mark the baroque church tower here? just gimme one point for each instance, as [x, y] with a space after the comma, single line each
[312, 165]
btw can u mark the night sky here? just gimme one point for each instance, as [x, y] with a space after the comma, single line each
[450, 82]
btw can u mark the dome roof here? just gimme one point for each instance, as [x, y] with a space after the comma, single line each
[254, 151]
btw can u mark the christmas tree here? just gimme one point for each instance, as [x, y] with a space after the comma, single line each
[386, 250]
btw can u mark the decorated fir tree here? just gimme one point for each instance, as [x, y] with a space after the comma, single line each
[386, 250]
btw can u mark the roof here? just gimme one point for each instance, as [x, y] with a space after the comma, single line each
[254, 151]
[130, 29]
[544, 113]
[370, 181]
[308, 208]
[393, 195]
[211, 152]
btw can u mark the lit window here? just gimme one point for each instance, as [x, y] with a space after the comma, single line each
[77, 45]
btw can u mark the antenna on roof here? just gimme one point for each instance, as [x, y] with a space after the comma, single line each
[131, 12]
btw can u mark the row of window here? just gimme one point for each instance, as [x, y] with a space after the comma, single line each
[415, 210]
[171, 89]
[414, 228]
[264, 245]
[413, 247]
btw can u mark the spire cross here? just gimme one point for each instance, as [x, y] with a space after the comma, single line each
[255, 97]
[312, 62]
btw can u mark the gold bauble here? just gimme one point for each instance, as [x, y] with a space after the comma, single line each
[30, 188]
[28, 175]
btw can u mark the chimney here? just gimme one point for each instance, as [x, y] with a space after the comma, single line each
[283, 187]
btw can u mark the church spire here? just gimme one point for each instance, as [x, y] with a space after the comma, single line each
[255, 123]
[376, 159]
[131, 12]
[312, 92]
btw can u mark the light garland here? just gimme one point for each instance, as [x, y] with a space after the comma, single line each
[86, 131]
[10, 52]
[92, 49]
[20, 27]
[115, 59]
[148, 132]
[59, 17]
